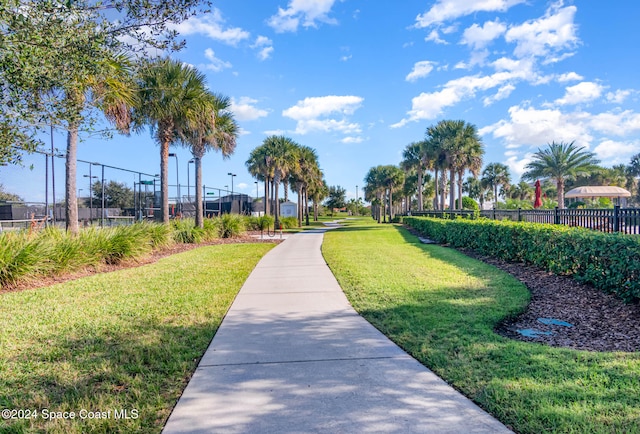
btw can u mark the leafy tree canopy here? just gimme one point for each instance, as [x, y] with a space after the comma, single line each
[5, 195]
[48, 47]
[116, 195]
[337, 197]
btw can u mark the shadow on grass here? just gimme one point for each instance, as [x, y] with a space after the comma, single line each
[530, 387]
[142, 370]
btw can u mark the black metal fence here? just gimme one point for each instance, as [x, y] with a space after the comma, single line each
[625, 220]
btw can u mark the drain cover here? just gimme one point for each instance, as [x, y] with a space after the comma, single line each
[533, 333]
[553, 321]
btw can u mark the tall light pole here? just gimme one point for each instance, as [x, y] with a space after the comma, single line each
[177, 181]
[357, 194]
[194, 175]
[257, 193]
[232, 175]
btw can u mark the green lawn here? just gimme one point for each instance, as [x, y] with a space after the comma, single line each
[441, 307]
[127, 340]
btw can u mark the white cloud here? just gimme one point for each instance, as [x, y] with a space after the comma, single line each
[345, 58]
[245, 110]
[616, 152]
[215, 64]
[320, 113]
[618, 123]
[445, 10]
[618, 96]
[211, 25]
[581, 92]
[545, 36]
[434, 36]
[242, 186]
[420, 69]
[517, 165]
[502, 93]
[274, 132]
[351, 139]
[302, 12]
[265, 47]
[532, 127]
[431, 105]
[479, 37]
[569, 76]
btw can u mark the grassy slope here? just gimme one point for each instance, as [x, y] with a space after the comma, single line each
[123, 340]
[441, 307]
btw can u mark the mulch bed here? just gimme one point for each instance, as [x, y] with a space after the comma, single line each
[601, 321]
[149, 259]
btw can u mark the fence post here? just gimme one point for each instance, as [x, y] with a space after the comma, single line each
[494, 212]
[556, 218]
[519, 214]
[616, 218]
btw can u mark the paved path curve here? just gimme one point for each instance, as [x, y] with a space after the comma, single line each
[292, 356]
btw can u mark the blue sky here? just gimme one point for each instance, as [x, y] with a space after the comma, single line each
[358, 80]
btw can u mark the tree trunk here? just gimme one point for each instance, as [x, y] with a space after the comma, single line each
[443, 190]
[164, 174]
[276, 213]
[435, 180]
[285, 186]
[299, 206]
[460, 175]
[452, 189]
[199, 199]
[306, 206]
[266, 195]
[71, 199]
[420, 203]
[560, 186]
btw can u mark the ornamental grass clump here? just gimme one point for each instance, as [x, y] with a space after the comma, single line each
[22, 256]
[231, 225]
[185, 231]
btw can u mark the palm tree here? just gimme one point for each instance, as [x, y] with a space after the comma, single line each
[413, 160]
[374, 189]
[496, 175]
[276, 158]
[215, 129]
[560, 161]
[259, 167]
[470, 156]
[392, 180]
[110, 88]
[435, 149]
[318, 190]
[302, 175]
[173, 97]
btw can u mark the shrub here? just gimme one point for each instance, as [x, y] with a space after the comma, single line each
[289, 222]
[211, 229]
[22, 256]
[610, 262]
[468, 203]
[259, 223]
[231, 225]
[185, 231]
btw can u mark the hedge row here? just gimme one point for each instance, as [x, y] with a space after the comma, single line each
[610, 262]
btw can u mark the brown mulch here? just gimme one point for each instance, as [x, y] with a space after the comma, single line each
[149, 259]
[600, 321]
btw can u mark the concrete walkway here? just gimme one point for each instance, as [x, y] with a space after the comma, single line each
[292, 356]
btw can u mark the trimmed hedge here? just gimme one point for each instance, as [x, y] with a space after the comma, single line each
[610, 262]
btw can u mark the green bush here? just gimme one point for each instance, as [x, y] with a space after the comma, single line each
[211, 227]
[610, 262]
[231, 225]
[289, 222]
[259, 223]
[468, 203]
[22, 255]
[185, 231]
